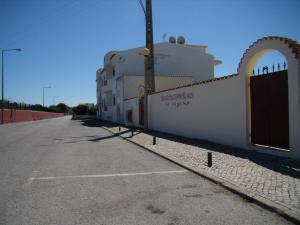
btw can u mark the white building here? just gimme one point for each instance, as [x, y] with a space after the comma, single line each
[243, 110]
[122, 75]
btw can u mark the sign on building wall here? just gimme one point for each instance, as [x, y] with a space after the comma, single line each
[181, 99]
[160, 57]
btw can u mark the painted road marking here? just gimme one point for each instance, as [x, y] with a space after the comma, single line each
[31, 179]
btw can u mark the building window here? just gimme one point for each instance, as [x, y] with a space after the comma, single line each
[114, 100]
[114, 71]
[104, 82]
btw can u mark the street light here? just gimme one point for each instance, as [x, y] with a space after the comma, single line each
[54, 97]
[2, 54]
[44, 94]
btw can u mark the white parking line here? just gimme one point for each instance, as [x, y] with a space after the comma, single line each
[107, 175]
[31, 179]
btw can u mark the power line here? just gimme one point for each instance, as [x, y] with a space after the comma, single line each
[59, 17]
[142, 5]
[45, 18]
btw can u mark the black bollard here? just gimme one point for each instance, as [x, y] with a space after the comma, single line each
[154, 140]
[119, 129]
[209, 159]
[131, 133]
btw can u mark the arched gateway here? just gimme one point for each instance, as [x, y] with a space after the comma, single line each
[273, 100]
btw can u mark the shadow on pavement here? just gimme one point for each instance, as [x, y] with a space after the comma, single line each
[99, 123]
[106, 137]
[282, 165]
[91, 123]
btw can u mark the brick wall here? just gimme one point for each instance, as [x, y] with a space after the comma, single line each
[14, 115]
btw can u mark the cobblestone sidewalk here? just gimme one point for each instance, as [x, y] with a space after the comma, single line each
[272, 179]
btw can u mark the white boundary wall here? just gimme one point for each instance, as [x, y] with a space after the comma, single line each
[213, 111]
[219, 110]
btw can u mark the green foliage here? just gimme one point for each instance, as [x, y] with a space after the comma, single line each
[60, 108]
[83, 109]
[63, 108]
[92, 110]
[37, 107]
[53, 108]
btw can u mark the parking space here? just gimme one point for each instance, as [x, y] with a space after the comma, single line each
[81, 174]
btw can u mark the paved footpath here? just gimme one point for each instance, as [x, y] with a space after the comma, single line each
[269, 180]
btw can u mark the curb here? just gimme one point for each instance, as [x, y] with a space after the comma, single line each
[249, 196]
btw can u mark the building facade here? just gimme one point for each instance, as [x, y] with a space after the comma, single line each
[122, 75]
[255, 112]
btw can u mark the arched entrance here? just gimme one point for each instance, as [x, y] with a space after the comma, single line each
[272, 107]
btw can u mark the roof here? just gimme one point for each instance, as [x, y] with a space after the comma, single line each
[192, 84]
[193, 46]
[175, 44]
[159, 75]
[200, 82]
[111, 54]
[217, 62]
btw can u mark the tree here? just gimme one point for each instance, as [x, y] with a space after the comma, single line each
[38, 107]
[81, 109]
[53, 108]
[85, 109]
[63, 107]
[92, 110]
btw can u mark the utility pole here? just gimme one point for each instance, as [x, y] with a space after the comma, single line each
[2, 106]
[149, 79]
[44, 95]
[2, 56]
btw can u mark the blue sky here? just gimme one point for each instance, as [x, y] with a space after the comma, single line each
[64, 41]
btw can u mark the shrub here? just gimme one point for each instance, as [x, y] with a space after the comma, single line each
[81, 110]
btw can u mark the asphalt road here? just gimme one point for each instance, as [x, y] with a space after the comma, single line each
[61, 171]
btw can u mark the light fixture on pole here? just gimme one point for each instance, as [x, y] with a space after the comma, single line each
[2, 54]
[44, 94]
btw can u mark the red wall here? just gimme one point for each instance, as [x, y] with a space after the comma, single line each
[14, 115]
